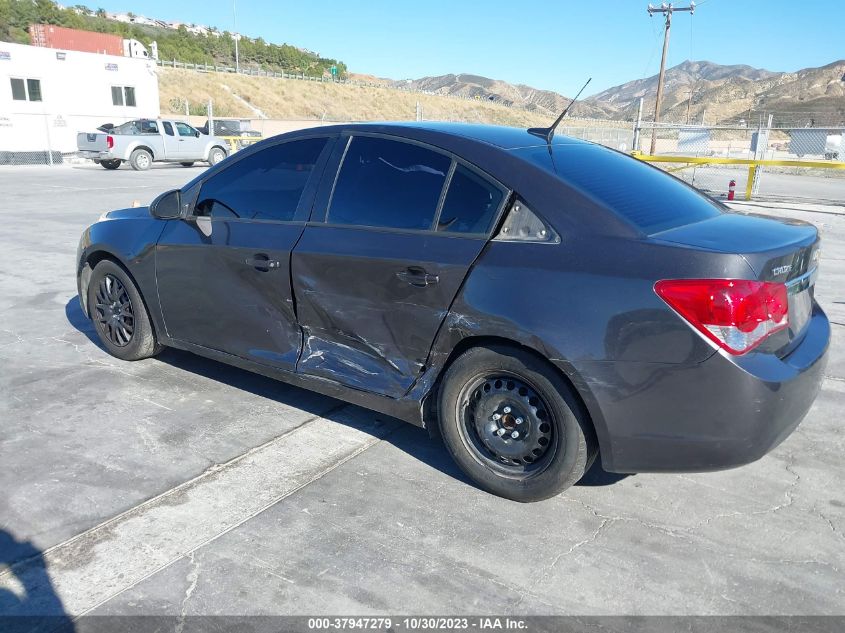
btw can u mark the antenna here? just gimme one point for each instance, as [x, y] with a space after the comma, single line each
[548, 133]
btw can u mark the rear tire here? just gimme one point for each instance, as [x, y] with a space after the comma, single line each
[141, 160]
[216, 155]
[187, 164]
[119, 314]
[111, 164]
[554, 444]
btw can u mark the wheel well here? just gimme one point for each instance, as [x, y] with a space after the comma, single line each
[95, 258]
[430, 402]
[149, 149]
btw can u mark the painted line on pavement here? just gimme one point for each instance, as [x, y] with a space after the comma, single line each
[89, 569]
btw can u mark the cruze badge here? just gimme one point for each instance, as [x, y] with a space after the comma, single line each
[781, 270]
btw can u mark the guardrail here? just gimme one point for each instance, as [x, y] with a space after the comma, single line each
[752, 163]
[256, 72]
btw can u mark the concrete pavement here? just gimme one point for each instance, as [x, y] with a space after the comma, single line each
[180, 486]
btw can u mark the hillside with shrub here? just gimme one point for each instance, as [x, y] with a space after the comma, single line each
[217, 47]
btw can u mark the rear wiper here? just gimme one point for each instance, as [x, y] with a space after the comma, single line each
[548, 133]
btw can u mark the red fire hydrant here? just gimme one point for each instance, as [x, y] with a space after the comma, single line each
[731, 189]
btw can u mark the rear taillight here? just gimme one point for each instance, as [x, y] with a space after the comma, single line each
[109, 141]
[736, 314]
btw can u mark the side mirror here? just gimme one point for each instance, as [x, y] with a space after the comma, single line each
[197, 133]
[168, 206]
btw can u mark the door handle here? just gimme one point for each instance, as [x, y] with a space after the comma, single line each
[416, 276]
[262, 263]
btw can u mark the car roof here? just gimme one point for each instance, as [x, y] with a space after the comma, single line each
[501, 136]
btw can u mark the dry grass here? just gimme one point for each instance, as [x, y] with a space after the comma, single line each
[295, 99]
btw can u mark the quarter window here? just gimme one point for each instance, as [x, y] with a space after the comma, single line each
[388, 183]
[26, 89]
[168, 128]
[470, 205]
[264, 186]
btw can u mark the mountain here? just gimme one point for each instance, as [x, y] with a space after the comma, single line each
[486, 89]
[679, 77]
[735, 94]
[698, 90]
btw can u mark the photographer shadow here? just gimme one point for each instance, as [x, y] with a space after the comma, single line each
[28, 601]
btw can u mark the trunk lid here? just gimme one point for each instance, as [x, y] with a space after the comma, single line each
[776, 249]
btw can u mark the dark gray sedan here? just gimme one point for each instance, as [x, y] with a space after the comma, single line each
[534, 303]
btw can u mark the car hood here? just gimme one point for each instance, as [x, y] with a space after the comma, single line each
[132, 213]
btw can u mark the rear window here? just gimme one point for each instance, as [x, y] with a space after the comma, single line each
[650, 199]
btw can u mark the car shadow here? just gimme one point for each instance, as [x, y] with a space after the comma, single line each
[412, 440]
[28, 601]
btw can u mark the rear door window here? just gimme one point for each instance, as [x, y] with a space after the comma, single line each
[471, 203]
[388, 183]
[266, 185]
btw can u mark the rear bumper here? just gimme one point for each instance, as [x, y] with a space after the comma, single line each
[717, 414]
[92, 155]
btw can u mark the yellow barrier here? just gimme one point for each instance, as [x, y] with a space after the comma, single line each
[237, 142]
[753, 164]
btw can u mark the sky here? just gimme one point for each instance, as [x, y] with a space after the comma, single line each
[548, 44]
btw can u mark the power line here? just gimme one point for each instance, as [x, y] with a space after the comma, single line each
[666, 10]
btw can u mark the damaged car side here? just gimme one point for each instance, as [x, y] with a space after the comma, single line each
[524, 299]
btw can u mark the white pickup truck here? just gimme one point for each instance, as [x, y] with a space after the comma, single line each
[145, 141]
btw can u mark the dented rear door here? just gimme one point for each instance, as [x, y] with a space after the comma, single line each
[374, 276]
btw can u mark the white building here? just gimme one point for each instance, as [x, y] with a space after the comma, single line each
[48, 95]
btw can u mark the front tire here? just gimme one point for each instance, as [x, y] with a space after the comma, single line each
[111, 164]
[141, 160]
[216, 155]
[119, 314]
[513, 425]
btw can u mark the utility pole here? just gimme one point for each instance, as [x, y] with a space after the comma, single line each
[689, 104]
[667, 10]
[236, 36]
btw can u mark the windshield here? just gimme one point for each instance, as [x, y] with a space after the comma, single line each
[645, 196]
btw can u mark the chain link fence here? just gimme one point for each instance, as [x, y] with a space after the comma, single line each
[50, 139]
[811, 158]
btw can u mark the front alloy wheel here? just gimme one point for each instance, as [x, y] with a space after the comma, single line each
[119, 314]
[113, 311]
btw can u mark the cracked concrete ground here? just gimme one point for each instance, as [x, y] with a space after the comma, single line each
[180, 486]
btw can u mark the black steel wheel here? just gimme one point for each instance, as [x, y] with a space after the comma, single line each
[505, 424]
[113, 311]
[513, 424]
[119, 314]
